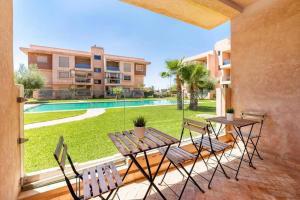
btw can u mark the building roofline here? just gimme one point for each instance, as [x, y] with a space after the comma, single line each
[198, 56]
[49, 50]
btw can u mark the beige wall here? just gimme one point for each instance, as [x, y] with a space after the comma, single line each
[47, 75]
[138, 81]
[10, 166]
[265, 71]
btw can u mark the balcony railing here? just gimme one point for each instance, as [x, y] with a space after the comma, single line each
[83, 66]
[113, 68]
[82, 80]
[226, 62]
[112, 81]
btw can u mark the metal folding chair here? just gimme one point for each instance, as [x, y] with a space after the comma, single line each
[254, 137]
[178, 156]
[106, 180]
[213, 146]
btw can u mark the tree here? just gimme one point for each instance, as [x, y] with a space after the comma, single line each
[148, 91]
[174, 67]
[117, 91]
[206, 86]
[167, 75]
[197, 77]
[30, 78]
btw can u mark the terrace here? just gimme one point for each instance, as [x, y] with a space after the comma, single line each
[82, 63]
[258, 29]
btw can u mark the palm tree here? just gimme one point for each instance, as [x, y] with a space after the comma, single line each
[174, 67]
[197, 77]
[167, 75]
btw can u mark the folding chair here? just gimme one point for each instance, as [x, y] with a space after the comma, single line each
[106, 180]
[178, 156]
[212, 145]
[254, 137]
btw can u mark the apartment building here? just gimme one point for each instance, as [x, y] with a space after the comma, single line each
[222, 49]
[217, 61]
[72, 73]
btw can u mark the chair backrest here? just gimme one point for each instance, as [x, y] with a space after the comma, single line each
[256, 116]
[60, 155]
[193, 125]
[196, 126]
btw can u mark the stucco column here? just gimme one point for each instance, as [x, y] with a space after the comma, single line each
[10, 167]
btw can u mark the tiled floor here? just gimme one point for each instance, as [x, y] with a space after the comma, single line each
[271, 180]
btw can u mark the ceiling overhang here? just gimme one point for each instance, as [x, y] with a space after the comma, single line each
[204, 13]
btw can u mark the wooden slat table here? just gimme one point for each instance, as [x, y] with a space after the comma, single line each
[130, 145]
[237, 124]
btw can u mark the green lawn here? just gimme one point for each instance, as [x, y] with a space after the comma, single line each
[42, 117]
[88, 140]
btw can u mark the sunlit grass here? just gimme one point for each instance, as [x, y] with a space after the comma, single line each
[88, 140]
[42, 117]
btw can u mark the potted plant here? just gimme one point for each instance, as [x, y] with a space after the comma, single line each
[229, 114]
[139, 126]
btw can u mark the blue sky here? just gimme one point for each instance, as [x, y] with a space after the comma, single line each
[119, 28]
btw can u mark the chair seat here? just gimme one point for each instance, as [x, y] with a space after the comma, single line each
[177, 155]
[217, 146]
[246, 134]
[100, 179]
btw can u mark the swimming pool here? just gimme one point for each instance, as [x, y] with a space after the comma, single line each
[90, 105]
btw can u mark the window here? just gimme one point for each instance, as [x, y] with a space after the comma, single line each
[139, 68]
[219, 53]
[97, 57]
[42, 59]
[63, 61]
[97, 81]
[127, 67]
[127, 77]
[63, 75]
[98, 70]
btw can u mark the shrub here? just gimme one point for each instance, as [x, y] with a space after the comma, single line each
[230, 110]
[139, 122]
[30, 78]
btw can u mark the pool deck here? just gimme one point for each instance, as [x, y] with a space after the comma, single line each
[89, 113]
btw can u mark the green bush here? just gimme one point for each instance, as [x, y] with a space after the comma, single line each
[230, 110]
[139, 121]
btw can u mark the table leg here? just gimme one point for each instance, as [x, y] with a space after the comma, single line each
[245, 150]
[216, 134]
[246, 144]
[157, 170]
[151, 180]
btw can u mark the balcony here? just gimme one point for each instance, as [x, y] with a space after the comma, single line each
[83, 80]
[83, 66]
[113, 68]
[265, 182]
[225, 80]
[83, 63]
[112, 81]
[226, 64]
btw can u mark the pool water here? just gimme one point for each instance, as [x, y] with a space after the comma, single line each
[90, 105]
